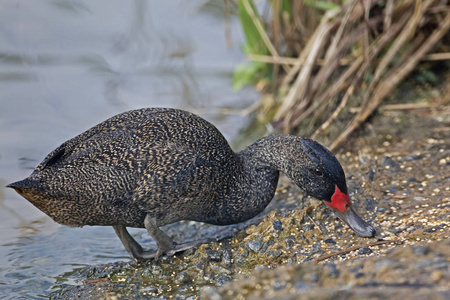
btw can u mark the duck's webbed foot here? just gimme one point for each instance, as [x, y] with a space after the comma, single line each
[133, 248]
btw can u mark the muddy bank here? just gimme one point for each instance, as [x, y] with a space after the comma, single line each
[399, 181]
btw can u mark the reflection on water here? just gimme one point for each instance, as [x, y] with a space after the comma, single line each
[68, 65]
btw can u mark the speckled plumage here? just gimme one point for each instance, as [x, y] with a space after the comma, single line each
[171, 165]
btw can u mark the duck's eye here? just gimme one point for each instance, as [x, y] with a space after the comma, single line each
[318, 172]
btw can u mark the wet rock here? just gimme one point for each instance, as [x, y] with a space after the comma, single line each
[277, 225]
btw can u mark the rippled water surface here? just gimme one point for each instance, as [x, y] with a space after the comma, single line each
[68, 65]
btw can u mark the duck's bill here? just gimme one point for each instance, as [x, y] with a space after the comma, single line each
[358, 225]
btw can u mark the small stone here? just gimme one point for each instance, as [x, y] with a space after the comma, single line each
[255, 246]
[371, 175]
[413, 180]
[364, 250]
[359, 275]
[267, 245]
[182, 277]
[356, 268]
[394, 229]
[290, 242]
[274, 254]
[312, 276]
[393, 189]
[413, 157]
[277, 225]
[323, 228]
[226, 256]
[419, 198]
[389, 162]
[330, 241]
[435, 228]
[278, 285]
[302, 286]
[421, 250]
[221, 279]
[308, 227]
[370, 203]
[437, 275]
[214, 255]
[381, 210]
[309, 258]
[331, 270]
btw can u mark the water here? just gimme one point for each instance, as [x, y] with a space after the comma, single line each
[68, 65]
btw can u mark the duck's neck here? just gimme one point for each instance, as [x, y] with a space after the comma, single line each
[255, 180]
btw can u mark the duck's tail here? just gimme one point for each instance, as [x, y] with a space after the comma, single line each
[23, 186]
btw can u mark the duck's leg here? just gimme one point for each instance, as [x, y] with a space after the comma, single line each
[165, 243]
[133, 248]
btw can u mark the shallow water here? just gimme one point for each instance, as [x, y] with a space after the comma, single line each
[68, 65]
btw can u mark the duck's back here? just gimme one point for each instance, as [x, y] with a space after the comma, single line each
[160, 161]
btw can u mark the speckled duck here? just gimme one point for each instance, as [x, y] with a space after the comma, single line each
[150, 167]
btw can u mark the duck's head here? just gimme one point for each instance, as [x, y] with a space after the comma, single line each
[321, 176]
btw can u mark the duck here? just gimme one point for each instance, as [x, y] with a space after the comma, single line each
[150, 167]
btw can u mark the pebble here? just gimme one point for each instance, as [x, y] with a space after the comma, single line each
[274, 254]
[290, 242]
[221, 279]
[389, 162]
[255, 246]
[226, 256]
[435, 228]
[213, 255]
[331, 270]
[323, 228]
[182, 277]
[364, 250]
[277, 225]
[267, 245]
[413, 180]
[413, 157]
[330, 241]
[421, 250]
[394, 229]
[308, 227]
[356, 268]
[371, 175]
